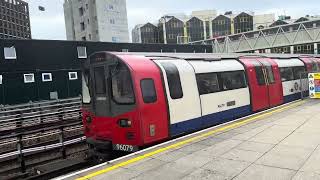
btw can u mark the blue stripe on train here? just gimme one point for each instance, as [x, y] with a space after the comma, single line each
[209, 120]
[291, 97]
[294, 97]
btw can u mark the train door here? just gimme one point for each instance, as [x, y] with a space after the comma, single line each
[101, 100]
[273, 81]
[264, 82]
[182, 94]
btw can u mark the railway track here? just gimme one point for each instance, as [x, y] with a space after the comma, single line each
[36, 135]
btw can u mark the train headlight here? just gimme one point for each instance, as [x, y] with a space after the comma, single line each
[124, 123]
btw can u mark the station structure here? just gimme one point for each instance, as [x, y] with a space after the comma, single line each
[301, 37]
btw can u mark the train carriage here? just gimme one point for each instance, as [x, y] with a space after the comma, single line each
[133, 100]
[291, 70]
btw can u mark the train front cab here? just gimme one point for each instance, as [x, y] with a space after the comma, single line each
[264, 81]
[124, 104]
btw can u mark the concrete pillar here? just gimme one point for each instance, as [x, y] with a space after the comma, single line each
[291, 49]
[315, 48]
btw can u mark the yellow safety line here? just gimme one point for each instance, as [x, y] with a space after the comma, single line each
[230, 126]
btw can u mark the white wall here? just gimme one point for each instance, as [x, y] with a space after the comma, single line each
[117, 32]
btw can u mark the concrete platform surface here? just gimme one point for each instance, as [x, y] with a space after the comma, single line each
[277, 144]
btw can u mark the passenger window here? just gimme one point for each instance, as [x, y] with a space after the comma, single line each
[148, 91]
[286, 74]
[269, 71]
[174, 81]
[100, 82]
[259, 73]
[207, 83]
[299, 72]
[314, 66]
[121, 82]
[270, 74]
[232, 80]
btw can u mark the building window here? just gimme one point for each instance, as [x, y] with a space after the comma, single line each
[174, 82]
[81, 11]
[115, 39]
[110, 6]
[112, 21]
[28, 78]
[82, 52]
[73, 75]
[10, 53]
[82, 26]
[46, 77]
[148, 91]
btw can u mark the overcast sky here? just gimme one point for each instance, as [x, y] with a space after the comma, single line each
[50, 23]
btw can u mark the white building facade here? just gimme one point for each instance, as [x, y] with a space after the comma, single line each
[96, 20]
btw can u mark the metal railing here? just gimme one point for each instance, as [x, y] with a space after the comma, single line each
[33, 128]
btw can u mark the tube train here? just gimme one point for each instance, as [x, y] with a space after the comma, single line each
[134, 100]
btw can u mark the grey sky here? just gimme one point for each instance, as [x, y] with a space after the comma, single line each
[50, 23]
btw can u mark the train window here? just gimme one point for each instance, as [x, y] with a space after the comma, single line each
[86, 98]
[174, 82]
[232, 80]
[100, 82]
[148, 91]
[298, 72]
[314, 66]
[286, 74]
[207, 83]
[269, 72]
[270, 75]
[1, 79]
[259, 73]
[122, 91]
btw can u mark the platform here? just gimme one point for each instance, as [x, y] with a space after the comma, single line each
[282, 143]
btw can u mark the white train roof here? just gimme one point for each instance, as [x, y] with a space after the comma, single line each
[211, 56]
[289, 62]
[216, 66]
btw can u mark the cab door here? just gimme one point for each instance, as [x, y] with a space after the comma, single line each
[264, 82]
